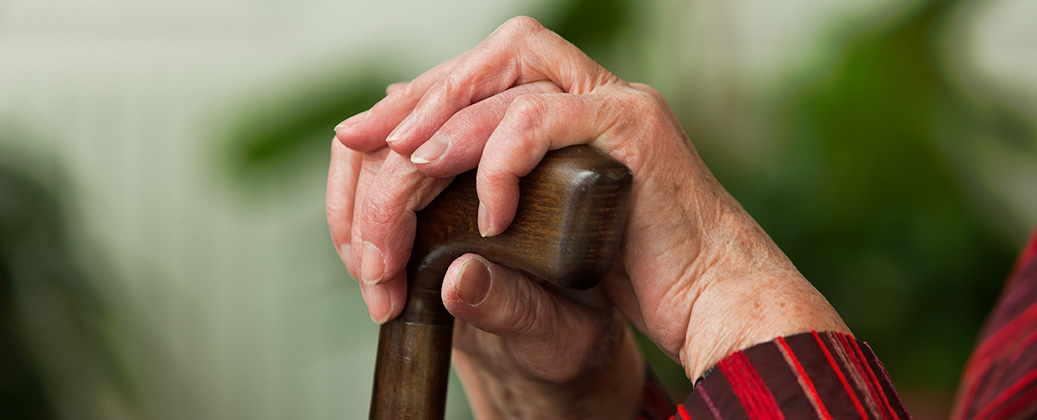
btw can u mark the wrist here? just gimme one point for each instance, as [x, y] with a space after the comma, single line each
[738, 313]
[750, 293]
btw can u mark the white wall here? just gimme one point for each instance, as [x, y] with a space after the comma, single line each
[236, 307]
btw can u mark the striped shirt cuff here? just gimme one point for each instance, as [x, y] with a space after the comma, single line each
[827, 375]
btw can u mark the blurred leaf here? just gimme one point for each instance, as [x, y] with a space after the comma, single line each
[593, 26]
[867, 194]
[885, 227]
[24, 214]
[296, 125]
[55, 347]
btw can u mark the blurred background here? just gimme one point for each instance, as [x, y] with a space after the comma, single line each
[163, 246]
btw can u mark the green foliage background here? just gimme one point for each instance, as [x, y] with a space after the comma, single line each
[866, 190]
[865, 174]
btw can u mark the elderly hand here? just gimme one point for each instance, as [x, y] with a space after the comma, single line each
[696, 273]
[561, 353]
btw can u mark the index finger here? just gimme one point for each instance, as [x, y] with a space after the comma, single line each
[385, 225]
[367, 130]
[520, 51]
[343, 173]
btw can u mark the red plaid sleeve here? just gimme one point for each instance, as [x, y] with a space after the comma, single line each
[1000, 379]
[827, 375]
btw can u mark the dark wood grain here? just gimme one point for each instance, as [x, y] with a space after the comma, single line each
[567, 231]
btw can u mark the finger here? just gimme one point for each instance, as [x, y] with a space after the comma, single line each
[520, 51]
[387, 217]
[394, 87]
[367, 130]
[370, 163]
[544, 331]
[343, 173]
[456, 147]
[386, 223]
[382, 300]
[533, 125]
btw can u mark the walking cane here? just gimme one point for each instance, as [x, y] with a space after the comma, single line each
[567, 231]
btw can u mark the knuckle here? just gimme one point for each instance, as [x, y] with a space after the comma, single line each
[521, 26]
[378, 213]
[407, 89]
[646, 106]
[445, 91]
[336, 213]
[543, 86]
[638, 117]
[354, 240]
[647, 89]
[525, 314]
[402, 92]
[335, 201]
[526, 112]
[491, 179]
[641, 99]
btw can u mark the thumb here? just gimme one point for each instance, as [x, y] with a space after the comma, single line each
[551, 336]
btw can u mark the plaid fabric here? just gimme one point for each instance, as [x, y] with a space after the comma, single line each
[832, 375]
[827, 375]
[1000, 379]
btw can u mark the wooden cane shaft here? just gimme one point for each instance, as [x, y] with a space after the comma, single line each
[566, 231]
[414, 384]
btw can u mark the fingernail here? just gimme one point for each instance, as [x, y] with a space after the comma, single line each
[351, 121]
[378, 303]
[383, 318]
[372, 266]
[473, 284]
[401, 130]
[483, 221]
[431, 150]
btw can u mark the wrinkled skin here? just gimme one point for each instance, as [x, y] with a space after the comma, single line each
[696, 274]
